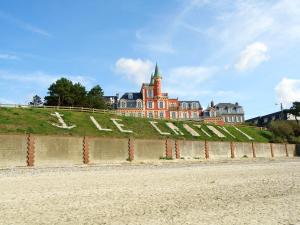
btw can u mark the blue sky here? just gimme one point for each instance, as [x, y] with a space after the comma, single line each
[228, 51]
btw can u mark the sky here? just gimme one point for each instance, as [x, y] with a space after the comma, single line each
[245, 51]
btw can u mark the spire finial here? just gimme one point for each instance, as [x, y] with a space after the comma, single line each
[156, 72]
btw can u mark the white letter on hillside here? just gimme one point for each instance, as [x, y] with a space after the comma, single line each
[119, 126]
[191, 130]
[199, 126]
[174, 129]
[61, 121]
[250, 138]
[215, 131]
[97, 124]
[157, 129]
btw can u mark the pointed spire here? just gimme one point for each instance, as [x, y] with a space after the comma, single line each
[152, 79]
[157, 73]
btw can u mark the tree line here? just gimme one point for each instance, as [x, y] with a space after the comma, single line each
[64, 92]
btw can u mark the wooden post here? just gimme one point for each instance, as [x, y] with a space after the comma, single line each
[168, 149]
[272, 150]
[286, 150]
[177, 149]
[253, 150]
[30, 150]
[206, 149]
[130, 149]
[232, 149]
[85, 146]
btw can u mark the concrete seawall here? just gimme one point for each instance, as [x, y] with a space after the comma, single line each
[13, 150]
[38, 150]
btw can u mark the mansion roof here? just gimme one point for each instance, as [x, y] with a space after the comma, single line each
[132, 96]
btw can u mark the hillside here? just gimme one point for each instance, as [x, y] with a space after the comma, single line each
[38, 121]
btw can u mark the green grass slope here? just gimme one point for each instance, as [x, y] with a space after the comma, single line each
[37, 121]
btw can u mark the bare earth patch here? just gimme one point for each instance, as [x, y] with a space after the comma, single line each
[263, 192]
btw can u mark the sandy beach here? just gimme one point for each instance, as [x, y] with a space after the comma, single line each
[243, 192]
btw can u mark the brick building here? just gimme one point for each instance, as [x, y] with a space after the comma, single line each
[151, 102]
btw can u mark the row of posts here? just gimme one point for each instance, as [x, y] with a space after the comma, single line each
[168, 149]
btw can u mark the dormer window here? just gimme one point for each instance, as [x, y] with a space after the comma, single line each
[130, 96]
[195, 105]
[184, 105]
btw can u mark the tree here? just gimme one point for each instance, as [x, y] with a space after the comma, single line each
[78, 94]
[60, 93]
[95, 98]
[64, 93]
[295, 110]
[36, 100]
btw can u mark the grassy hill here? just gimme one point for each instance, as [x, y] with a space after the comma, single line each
[37, 121]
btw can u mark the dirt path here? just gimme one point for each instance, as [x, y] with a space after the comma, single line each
[265, 193]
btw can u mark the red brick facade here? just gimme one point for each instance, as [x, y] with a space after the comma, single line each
[151, 102]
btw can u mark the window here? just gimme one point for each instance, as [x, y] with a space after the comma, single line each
[160, 104]
[150, 93]
[184, 105]
[123, 104]
[150, 115]
[238, 119]
[130, 96]
[195, 115]
[150, 104]
[185, 115]
[131, 114]
[139, 104]
[229, 119]
[139, 114]
[161, 115]
[232, 119]
[194, 105]
[173, 115]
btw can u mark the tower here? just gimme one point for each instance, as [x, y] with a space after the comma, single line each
[157, 81]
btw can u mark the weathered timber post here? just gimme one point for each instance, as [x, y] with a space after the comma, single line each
[86, 152]
[253, 150]
[177, 149]
[206, 149]
[286, 150]
[168, 149]
[232, 149]
[30, 150]
[130, 149]
[272, 150]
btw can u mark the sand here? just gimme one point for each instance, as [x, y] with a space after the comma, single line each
[244, 192]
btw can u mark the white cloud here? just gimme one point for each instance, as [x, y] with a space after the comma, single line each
[288, 91]
[9, 57]
[252, 56]
[135, 70]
